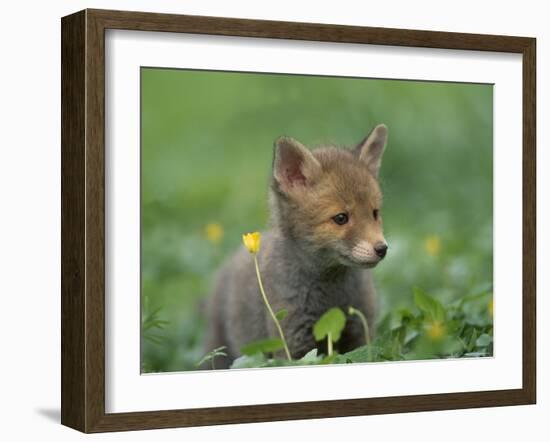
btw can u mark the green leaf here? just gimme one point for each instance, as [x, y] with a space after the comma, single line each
[484, 340]
[259, 360]
[329, 359]
[281, 363]
[211, 355]
[431, 307]
[281, 314]
[333, 321]
[268, 345]
[360, 354]
[155, 339]
[410, 336]
[472, 341]
[475, 354]
[151, 320]
[310, 356]
[254, 361]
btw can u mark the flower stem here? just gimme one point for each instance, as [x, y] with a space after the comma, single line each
[281, 334]
[329, 344]
[354, 311]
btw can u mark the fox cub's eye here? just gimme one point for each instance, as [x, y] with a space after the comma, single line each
[341, 219]
[375, 213]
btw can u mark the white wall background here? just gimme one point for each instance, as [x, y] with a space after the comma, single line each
[30, 216]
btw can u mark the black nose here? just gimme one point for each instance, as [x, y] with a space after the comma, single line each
[381, 250]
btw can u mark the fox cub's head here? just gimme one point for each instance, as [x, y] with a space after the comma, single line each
[328, 200]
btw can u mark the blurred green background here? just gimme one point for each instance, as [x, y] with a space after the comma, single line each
[206, 157]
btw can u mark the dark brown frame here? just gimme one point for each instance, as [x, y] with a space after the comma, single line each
[83, 216]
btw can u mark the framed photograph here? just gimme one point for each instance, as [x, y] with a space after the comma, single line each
[271, 220]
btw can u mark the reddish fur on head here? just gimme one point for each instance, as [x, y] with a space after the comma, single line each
[310, 188]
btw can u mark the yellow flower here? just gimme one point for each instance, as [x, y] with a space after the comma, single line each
[252, 242]
[214, 232]
[435, 330]
[490, 307]
[432, 245]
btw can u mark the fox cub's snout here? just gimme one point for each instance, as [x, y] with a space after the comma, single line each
[329, 200]
[326, 234]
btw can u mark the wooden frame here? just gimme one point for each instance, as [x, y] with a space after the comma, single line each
[83, 216]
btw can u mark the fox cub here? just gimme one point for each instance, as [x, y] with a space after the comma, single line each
[326, 234]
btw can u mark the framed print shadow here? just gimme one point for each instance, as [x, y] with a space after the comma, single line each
[267, 220]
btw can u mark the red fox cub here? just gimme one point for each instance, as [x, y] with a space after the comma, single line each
[326, 234]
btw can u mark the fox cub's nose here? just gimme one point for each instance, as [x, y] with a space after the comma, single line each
[381, 249]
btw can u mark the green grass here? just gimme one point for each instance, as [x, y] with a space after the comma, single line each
[207, 142]
[431, 330]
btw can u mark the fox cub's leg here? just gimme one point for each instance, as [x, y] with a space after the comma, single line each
[352, 337]
[215, 334]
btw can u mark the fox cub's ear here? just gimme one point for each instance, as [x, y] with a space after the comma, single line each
[370, 150]
[293, 164]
